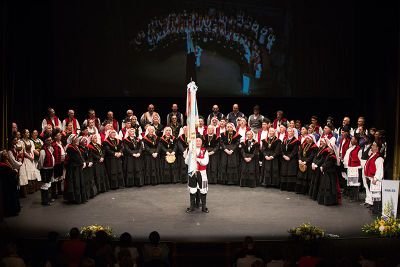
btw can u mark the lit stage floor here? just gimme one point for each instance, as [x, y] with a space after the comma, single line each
[234, 213]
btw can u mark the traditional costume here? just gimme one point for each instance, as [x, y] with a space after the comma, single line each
[133, 165]
[46, 167]
[182, 168]
[271, 151]
[74, 185]
[352, 165]
[113, 160]
[290, 148]
[9, 186]
[373, 171]
[96, 153]
[365, 154]
[198, 181]
[249, 170]
[307, 151]
[229, 161]
[329, 190]
[28, 171]
[317, 162]
[151, 160]
[88, 170]
[167, 147]
[212, 144]
[59, 174]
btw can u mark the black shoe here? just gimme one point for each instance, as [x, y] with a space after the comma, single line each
[205, 210]
[189, 210]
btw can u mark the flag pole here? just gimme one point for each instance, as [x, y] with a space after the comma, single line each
[192, 121]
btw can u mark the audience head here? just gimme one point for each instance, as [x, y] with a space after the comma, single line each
[154, 236]
[74, 233]
[125, 239]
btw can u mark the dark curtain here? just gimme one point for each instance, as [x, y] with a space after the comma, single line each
[321, 48]
[26, 74]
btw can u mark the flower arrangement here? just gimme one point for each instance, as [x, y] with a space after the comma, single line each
[388, 209]
[385, 226]
[306, 231]
[89, 232]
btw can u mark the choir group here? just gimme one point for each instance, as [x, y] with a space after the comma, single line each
[79, 161]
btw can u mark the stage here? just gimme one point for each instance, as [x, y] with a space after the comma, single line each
[234, 213]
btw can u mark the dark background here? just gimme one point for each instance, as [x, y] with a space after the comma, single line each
[342, 59]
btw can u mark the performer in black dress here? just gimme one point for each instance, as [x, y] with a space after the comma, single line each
[317, 162]
[289, 161]
[88, 175]
[74, 188]
[329, 190]
[151, 158]
[99, 170]
[182, 144]
[229, 170]
[113, 159]
[9, 186]
[167, 149]
[175, 126]
[271, 151]
[307, 152]
[249, 166]
[133, 160]
[212, 143]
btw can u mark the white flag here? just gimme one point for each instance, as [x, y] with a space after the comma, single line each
[192, 121]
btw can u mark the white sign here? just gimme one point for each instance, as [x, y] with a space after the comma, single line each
[390, 196]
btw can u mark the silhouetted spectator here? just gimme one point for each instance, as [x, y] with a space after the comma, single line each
[124, 259]
[155, 253]
[102, 251]
[125, 243]
[88, 262]
[73, 250]
[248, 253]
[12, 259]
[309, 259]
[50, 251]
